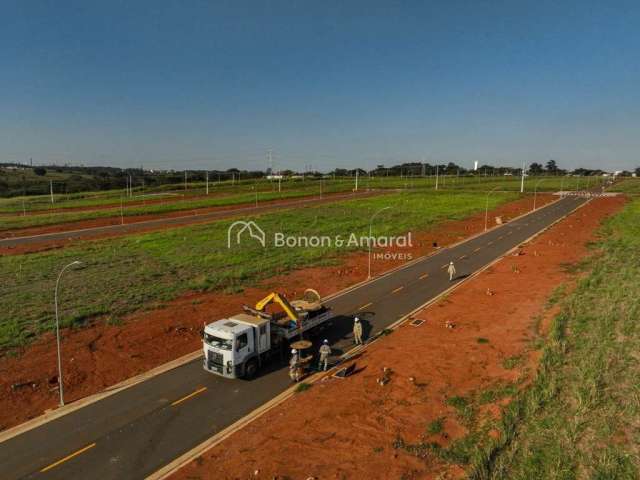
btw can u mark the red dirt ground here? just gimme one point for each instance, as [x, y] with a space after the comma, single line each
[102, 355]
[345, 429]
[47, 244]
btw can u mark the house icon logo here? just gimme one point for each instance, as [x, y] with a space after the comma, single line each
[240, 227]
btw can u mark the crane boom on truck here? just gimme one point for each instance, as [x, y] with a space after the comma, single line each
[239, 345]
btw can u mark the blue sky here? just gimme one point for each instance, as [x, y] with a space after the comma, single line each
[195, 84]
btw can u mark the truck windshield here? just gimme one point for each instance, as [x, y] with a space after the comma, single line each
[217, 342]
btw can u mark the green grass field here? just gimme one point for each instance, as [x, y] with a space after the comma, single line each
[226, 193]
[141, 272]
[628, 185]
[244, 196]
[580, 417]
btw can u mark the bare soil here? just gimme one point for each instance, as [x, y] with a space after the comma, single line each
[346, 428]
[101, 355]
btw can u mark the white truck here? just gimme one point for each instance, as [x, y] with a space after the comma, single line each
[238, 346]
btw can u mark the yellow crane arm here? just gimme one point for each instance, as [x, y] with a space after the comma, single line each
[283, 302]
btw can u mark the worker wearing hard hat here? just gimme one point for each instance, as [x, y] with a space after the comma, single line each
[452, 271]
[294, 371]
[325, 351]
[357, 331]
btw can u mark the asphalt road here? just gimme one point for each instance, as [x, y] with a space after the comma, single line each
[134, 433]
[131, 226]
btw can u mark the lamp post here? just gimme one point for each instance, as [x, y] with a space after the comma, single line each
[535, 194]
[486, 209]
[370, 235]
[58, 331]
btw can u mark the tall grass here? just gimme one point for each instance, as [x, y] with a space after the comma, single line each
[581, 416]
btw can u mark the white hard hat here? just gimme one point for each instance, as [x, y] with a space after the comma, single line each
[326, 341]
[356, 319]
[294, 351]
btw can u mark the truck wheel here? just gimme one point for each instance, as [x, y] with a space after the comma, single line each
[251, 368]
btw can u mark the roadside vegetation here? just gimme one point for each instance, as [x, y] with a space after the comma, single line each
[167, 205]
[579, 416]
[627, 185]
[39, 211]
[123, 275]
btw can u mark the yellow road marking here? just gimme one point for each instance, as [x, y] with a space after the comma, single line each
[444, 266]
[422, 277]
[68, 457]
[477, 249]
[490, 243]
[365, 306]
[462, 257]
[397, 290]
[193, 394]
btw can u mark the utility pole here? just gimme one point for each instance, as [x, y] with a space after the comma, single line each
[207, 181]
[185, 180]
[51, 189]
[522, 180]
[437, 175]
[356, 189]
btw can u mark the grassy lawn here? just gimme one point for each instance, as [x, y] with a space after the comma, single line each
[172, 205]
[226, 193]
[581, 416]
[140, 272]
[628, 185]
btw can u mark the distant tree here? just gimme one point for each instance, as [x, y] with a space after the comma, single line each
[41, 172]
[552, 166]
[535, 168]
[637, 171]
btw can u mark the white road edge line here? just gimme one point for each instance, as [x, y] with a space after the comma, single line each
[189, 456]
[51, 415]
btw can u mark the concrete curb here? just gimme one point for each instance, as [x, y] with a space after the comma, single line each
[132, 381]
[189, 456]
[83, 402]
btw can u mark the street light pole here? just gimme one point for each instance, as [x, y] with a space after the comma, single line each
[58, 332]
[486, 209]
[535, 194]
[370, 236]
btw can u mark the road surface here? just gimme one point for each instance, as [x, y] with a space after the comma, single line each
[139, 430]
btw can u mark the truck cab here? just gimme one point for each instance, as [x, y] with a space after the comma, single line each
[234, 347]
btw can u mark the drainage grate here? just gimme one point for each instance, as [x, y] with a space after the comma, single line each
[416, 322]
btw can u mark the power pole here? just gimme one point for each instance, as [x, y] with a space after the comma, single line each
[207, 181]
[51, 189]
[522, 180]
[437, 174]
[356, 189]
[185, 180]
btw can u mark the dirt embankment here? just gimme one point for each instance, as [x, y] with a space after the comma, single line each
[132, 224]
[101, 355]
[346, 429]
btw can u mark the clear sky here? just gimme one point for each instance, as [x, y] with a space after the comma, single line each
[214, 84]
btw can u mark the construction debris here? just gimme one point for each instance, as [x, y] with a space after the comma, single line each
[386, 377]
